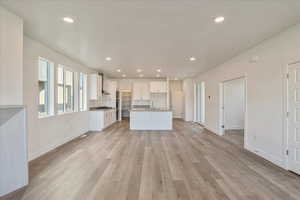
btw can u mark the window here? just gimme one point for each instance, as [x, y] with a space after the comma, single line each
[45, 82]
[82, 92]
[60, 90]
[65, 90]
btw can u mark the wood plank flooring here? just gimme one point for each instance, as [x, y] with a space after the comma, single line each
[235, 136]
[188, 163]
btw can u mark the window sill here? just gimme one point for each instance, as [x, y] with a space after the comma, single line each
[45, 116]
[60, 114]
[66, 113]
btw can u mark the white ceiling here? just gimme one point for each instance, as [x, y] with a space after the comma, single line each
[153, 34]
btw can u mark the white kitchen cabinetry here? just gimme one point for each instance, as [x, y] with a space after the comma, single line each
[111, 87]
[112, 90]
[140, 91]
[101, 119]
[106, 85]
[125, 84]
[113, 93]
[158, 87]
[95, 85]
[109, 97]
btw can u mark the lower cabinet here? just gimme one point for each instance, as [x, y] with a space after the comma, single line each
[101, 119]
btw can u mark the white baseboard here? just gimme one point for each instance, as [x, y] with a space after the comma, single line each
[212, 131]
[52, 147]
[234, 128]
[275, 160]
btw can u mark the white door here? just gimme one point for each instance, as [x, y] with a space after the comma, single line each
[294, 118]
[234, 104]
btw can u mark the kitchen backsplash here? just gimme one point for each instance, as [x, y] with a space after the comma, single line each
[105, 101]
[157, 100]
[141, 102]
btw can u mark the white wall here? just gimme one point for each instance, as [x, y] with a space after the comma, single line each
[188, 91]
[234, 104]
[265, 87]
[47, 133]
[11, 58]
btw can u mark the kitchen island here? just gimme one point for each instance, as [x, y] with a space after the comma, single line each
[151, 119]
[13, 149]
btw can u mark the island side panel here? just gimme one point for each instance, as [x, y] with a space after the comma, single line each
[151, 120]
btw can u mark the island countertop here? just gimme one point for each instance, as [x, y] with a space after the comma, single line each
[149, 110]
[7, 107]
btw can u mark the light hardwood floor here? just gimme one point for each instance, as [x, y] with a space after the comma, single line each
[187, 163]
[235, 136]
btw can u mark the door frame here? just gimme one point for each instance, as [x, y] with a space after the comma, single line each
[221, 108]
[285, 113]
[202, 123]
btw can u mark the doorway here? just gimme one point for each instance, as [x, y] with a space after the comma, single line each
[199, 116]
[233, 98]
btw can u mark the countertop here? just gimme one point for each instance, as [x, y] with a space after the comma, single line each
[150, 110]
[7, 107]
[102, 109]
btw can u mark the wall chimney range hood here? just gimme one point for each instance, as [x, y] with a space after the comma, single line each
[103, 91]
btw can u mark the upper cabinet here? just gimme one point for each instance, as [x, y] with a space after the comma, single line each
[112, 90]
[95, 85]
[140, 91]
[112, 87]
[125, 84]
[158, 87]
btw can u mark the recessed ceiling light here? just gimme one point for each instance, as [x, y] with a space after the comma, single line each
[118, 70]
[139, 70]
[108, 58]
[192, 58]
[123, 75]
[68, 20]
[219, 19]
[158, 70]
[141, 75]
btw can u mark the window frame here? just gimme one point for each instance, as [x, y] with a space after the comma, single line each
[65, 69]
[82, 79]
[49, 100]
